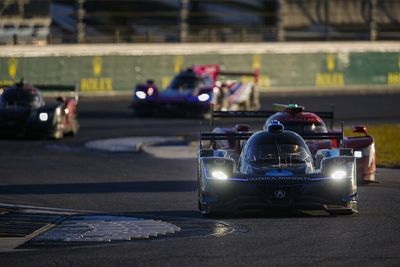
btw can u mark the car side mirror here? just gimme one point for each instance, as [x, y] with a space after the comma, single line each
[360, 129]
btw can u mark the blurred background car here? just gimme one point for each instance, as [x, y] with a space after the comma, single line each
[23, 112]
[196, 90]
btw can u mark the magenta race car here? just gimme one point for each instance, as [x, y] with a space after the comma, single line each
[194, 91]
[295, 119]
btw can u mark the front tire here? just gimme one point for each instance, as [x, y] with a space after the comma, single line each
[206, 210]
[350, 208]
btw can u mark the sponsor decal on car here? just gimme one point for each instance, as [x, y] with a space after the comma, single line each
[279, 178]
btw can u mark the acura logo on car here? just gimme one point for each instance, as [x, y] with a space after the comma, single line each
[280, 194]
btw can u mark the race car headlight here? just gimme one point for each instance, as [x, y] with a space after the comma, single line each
[141, 95]
[43, 116]
[358, 154]
[338, 174]
[203, 97]
[219, 175]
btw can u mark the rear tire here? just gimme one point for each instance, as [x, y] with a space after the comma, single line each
[58, 129]
[75, 128]
[58, 133]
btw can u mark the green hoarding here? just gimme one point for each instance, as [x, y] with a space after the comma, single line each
[113, 73]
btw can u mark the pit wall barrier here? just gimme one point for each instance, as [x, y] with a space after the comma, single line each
[112, 70]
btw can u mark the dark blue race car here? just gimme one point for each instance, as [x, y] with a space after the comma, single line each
[275, 170]
[23, 112]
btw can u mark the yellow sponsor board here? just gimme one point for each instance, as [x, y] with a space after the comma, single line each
[97, 64]
[393, 78]
[165, 80]
[256, 62]
[12, 67]
[104, 84]
[330, 62]
[179, 61]
[264, 81]
[5, 83]
[329, 79]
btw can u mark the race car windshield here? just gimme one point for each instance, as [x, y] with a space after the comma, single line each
[20, 98]
[185, 82]
[273, 155]
[306, 127]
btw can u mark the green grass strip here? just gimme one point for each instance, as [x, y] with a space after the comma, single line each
[387, 143]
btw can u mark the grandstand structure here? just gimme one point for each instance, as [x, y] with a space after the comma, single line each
[159, 21]
[25, 21]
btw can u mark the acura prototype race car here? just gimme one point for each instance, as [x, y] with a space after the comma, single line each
[194, 91]
[23, 112]
[275, 170]
[294, 118]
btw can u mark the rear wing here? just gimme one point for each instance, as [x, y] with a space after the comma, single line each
[264, 114]
[222, 136]
[225, 136]
[243, 114]
[244, 136]
[214, 70]
[238, 114]
[322, 136]
[328, 115]
[57, 89]
[255, 74]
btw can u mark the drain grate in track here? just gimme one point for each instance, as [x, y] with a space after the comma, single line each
[13, 224]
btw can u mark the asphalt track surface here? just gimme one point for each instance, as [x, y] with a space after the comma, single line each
[63, 174]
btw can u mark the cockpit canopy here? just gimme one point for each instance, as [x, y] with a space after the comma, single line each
[265, 151]
[303, 122]
[189, 80]
[22, 96]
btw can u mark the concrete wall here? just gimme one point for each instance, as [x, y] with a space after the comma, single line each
[290, 66]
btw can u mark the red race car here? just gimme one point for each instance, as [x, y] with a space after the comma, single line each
[294, 118]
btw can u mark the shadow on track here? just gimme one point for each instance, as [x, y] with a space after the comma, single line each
[88, 188]
[256, 214]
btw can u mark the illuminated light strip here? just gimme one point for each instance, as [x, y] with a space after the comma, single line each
[228, 179]
[280, 178]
